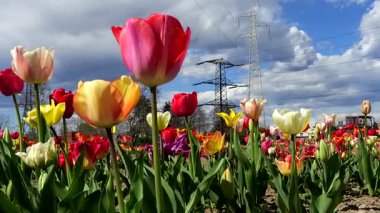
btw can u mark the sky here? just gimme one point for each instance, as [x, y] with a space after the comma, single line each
[318, 54]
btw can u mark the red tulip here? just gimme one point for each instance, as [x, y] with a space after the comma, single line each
[372, 132]
[10, 83]
[60, 96]
[184, 104]
[153, 49]
[15, 135]
[169, 134]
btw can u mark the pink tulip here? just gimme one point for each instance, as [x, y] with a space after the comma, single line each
[153, 49]
[34, 67]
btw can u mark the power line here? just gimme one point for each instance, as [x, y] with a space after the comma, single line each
[214, 23]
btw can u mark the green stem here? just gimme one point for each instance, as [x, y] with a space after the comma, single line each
[65, 150]
[39, 118]
[156, 156]
[21, 131]
[294, 178]
[115, 171]
[193, 151]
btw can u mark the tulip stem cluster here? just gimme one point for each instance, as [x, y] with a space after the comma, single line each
[115, 171]
[156, 156]
[39, 118]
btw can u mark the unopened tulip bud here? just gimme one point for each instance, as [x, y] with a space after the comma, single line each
[42, 180]
[314, 166]
[323, 151]
[366, 107]
[227, 184]
[374, 152]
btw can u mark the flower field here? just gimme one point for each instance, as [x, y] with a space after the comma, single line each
[303, 168]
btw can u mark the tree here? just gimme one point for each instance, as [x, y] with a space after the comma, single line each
[136, 125]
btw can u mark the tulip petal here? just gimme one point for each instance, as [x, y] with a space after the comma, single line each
[149, 119]
[116, 30]
[98, 103]
[130, 92]
[140, 44]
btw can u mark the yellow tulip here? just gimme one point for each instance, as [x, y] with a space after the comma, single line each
[52, 114]
[214, 144]
[39, 155]
[231, 119]
[162, 119]
[104, 104]
[291, 122]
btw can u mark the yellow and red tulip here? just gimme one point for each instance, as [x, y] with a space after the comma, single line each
[285, 166]
[104, 104]
[214, 144]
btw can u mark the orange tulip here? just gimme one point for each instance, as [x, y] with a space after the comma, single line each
[285, 166]
[104, 104]
[214, 144]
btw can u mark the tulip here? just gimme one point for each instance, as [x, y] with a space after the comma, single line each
[252, 108]
[39, 155]
[323, 152]
[329, 120]
[366, 107]
[265, 145]
[214, 144]
[169, 134]
[227, 184]
[285, 167]
[94, 150]
[104, 104]
[52, 114]
[184, 104]
[60, 96]
[153, 49]
[162, 119]
[10, 83]
[231, 119]
[291, 122]
[34, 67]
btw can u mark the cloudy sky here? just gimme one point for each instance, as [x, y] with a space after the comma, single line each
[318, 54]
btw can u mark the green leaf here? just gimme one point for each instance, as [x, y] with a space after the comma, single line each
[204, 185]
[5, 205]
[107, 196]
[136, 192]
[47, 193]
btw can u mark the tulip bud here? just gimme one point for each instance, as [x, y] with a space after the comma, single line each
[162, 120]
[227, 184]
[10, 188]
[373, 152]
[366, 107]
[314, 166]
[42, 180]
[323, 151]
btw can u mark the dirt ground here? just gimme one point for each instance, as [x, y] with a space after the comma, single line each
[352, 202]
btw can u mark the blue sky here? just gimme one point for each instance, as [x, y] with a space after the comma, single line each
[321, 54]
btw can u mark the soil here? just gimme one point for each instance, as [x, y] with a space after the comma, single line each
[352, 202]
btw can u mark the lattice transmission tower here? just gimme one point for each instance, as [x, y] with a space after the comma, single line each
[255, 84]
[27, 100]
[220, 102]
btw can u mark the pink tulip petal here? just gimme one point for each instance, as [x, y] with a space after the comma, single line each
[140, 45]
[176, 66]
